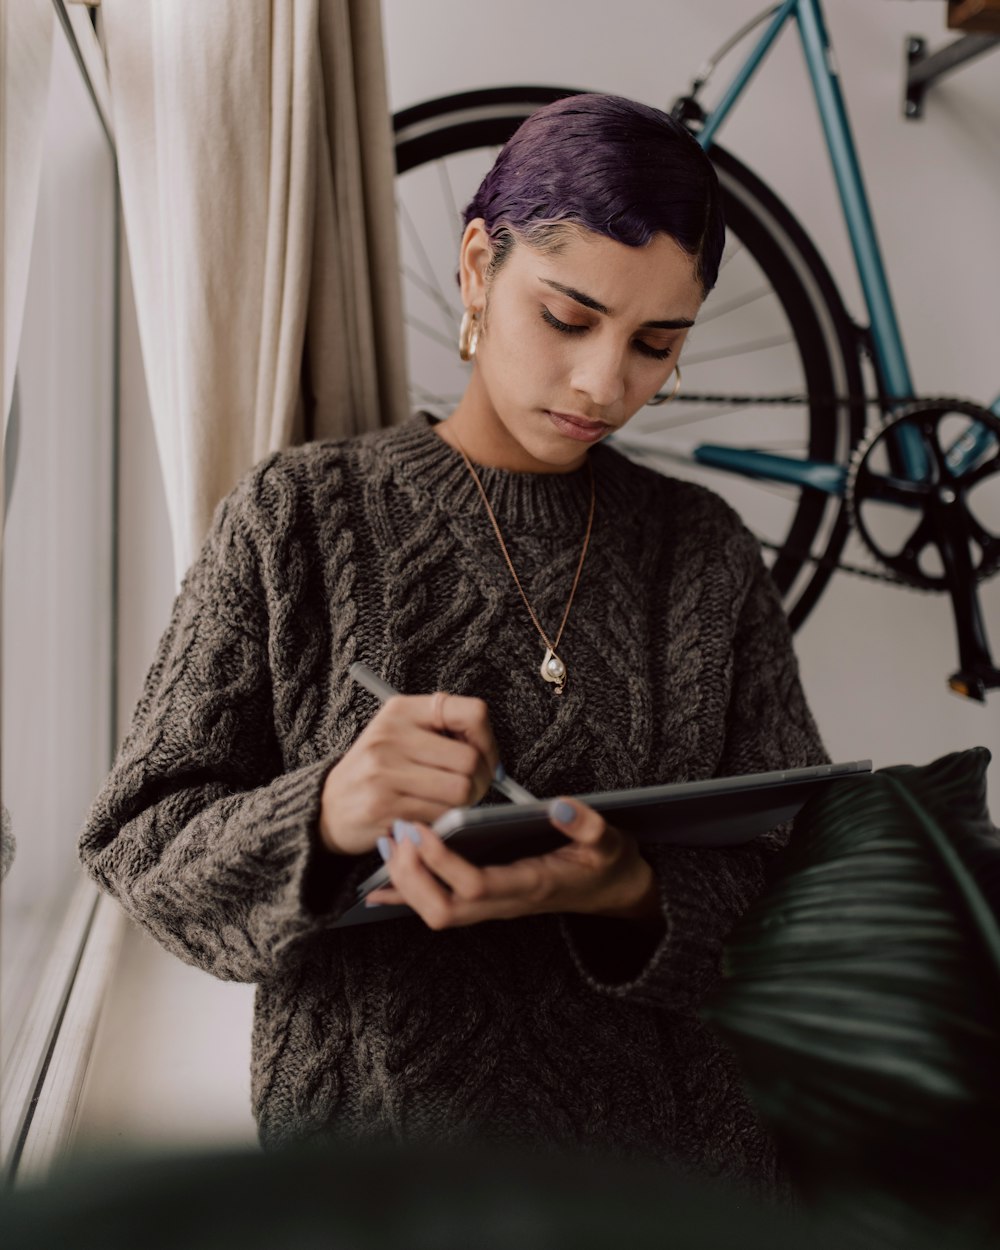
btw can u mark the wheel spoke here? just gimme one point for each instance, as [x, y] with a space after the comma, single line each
[432, 292]
[654, 453]
[740, 349]
[717, 311]
[430, 277]
[448, 191]
[679, 422]
[425, 398]
[431, 332]
[730, 253]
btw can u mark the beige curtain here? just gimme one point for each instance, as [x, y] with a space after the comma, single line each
[256, 164]
[26, 30]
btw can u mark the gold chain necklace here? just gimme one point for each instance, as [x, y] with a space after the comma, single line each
[553, 668]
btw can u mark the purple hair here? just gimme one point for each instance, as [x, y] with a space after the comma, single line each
[611, 165]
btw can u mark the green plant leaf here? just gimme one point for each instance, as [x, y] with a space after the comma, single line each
[862, 990]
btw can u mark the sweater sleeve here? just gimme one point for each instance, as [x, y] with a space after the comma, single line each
[199, 831]
[704, 891]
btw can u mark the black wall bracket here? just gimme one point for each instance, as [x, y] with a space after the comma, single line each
[924, 68]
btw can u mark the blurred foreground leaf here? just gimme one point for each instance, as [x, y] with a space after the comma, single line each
[862, 994]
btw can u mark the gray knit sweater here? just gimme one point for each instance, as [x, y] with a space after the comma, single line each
[548, 1031]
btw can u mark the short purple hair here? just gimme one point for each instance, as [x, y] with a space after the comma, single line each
[610, 165]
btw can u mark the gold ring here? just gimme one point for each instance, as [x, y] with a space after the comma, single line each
[437, 711]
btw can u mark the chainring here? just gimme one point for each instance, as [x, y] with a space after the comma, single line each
[874, 480]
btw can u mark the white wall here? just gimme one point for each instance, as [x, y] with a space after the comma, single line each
[173, 1062]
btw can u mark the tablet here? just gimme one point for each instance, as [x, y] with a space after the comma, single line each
[720, 811]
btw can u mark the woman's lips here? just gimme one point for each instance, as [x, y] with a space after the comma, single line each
[577, 427]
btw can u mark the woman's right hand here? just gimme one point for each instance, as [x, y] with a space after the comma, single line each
[404, 767]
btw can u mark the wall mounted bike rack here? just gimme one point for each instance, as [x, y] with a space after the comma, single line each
[924, 68]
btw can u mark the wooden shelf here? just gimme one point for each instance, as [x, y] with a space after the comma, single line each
[975, 17]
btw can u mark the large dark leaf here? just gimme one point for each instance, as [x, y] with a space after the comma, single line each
[862, 991]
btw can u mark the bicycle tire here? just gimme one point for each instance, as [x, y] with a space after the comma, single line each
[820, 339]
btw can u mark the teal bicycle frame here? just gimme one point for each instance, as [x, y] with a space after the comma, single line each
[886, 339]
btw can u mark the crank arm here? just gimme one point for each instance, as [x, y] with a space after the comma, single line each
[977, 672]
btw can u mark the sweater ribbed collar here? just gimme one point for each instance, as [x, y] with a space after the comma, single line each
[543, 501]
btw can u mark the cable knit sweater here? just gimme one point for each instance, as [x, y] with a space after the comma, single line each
[552, 1031]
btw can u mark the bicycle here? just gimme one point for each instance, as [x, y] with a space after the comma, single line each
[818, 466]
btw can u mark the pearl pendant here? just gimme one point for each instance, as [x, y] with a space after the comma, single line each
[554, 670]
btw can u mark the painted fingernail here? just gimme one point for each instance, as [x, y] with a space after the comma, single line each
[385, 848]
[500, 773]
[562, 811]
[403, 829]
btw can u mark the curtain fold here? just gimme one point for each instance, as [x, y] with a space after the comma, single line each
[256, 165]
[26, 33]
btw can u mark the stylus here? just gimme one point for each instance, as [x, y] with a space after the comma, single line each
[382, 691]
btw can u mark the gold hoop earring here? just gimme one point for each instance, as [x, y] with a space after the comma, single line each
[668, 399]
[468, 334]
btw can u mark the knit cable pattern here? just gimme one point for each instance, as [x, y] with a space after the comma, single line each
[550, 1031]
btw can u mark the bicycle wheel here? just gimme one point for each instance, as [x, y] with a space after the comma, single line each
[773, 326]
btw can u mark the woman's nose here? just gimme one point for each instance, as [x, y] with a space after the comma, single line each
[600, 375]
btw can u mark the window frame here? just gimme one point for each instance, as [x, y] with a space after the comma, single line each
[43, 1079]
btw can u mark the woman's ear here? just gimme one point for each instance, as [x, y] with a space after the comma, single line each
[473, 258]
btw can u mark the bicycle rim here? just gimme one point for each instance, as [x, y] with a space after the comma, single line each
[773, 325]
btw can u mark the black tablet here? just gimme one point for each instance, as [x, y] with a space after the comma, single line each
[720, 811]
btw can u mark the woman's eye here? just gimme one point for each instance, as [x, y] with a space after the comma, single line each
[556, 324]
[655, 353]
[645, 349]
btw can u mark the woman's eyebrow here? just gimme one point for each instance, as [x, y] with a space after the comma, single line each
[672, 323]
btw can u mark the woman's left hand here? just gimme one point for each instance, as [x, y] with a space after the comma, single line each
[600, 872]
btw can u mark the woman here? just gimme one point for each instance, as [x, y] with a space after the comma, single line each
[550, 605]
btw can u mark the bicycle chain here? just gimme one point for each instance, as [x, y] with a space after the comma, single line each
[836, 566]
[845, 401]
